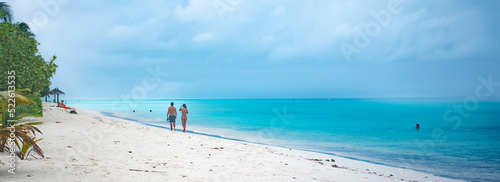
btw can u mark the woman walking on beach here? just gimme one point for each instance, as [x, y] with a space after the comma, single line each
[184, 117]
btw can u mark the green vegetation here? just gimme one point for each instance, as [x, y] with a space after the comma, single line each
[45, 92]
[27, 147]
[19, 53]
[24, 132]
[5, 12]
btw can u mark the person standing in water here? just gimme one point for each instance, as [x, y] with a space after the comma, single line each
[171, 115]
[184, 117]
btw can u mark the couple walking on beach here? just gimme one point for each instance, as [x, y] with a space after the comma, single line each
[172, 115]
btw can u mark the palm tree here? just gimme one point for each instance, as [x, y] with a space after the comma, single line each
[25, 142]
[24, 132]
[6, 16]
[26, 29]
[5, 12]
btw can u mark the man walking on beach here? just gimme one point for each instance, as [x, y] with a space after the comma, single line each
[171, 115]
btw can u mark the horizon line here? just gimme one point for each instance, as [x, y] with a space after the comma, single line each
[279, 98]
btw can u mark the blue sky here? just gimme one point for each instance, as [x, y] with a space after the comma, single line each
[266, 49]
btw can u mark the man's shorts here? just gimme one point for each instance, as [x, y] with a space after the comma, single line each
[171, 118]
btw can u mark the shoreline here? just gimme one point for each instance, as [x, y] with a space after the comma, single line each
[109, 148]
[283, 149]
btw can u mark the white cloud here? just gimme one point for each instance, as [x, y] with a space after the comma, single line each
[343, 30]
[426, 36]
[279, 11]
[196, 10]
[122, 31]
[203, 37]
[86, 35]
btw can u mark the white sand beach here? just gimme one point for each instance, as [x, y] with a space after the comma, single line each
[92, 147]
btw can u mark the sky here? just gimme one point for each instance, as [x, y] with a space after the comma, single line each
[267, 49]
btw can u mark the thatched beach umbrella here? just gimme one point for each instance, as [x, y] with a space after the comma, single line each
[56, 92]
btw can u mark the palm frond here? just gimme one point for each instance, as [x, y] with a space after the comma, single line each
[26, 29]
[24, 110]
[30, 127]
[5, 95]
[23, 138]
[6, 12]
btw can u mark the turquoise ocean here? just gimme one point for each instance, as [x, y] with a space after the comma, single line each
[456, 139]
